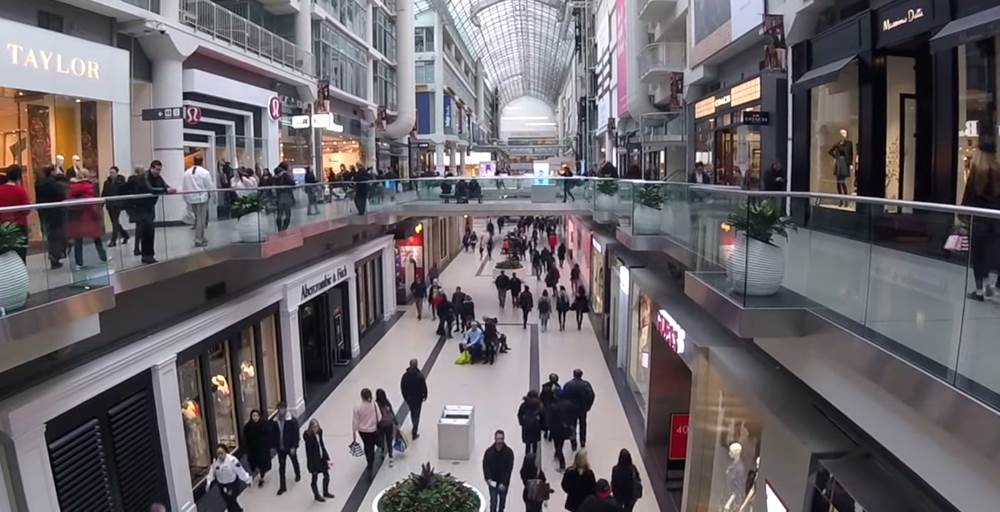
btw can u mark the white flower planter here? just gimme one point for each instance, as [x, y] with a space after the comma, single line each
[482, 499]
[13, 281]
[250, 229]
[756, 269]
[646, 220]
[605, 202]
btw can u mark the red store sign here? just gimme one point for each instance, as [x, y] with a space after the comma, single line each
[671, 331]
[677, 449]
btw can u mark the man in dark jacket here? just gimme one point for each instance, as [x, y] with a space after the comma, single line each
[144, 211]
[581, 394]
[602, 501]
[502, 282]
[550, 390]
[361, 187]
[526, 303]
[774, 178]
[419, 292]
[498, 464]
[514, 286]
[413, 386]
[559, 420]
[113, 186]
[51, 187]
[286, 442]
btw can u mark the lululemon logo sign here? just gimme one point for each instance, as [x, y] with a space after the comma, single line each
[192, 114]
[274, 108]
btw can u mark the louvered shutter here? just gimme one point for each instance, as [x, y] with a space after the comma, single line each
[136, 452]
[80, 470]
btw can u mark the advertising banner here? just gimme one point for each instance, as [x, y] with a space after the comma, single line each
[717, 23]
[677, 449]
[621, 58]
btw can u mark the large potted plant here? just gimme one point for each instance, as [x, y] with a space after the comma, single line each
[429, 491]
[13, 273]
[756, 267]
[607, 191]
[247, 212]
[646, 214]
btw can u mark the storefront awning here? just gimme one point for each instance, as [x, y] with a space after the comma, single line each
[821, 75]
[981, 25]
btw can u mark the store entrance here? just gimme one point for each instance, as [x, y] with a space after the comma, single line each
[725, 152]
[323, 334]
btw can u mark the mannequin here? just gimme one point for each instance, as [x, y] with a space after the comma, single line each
[843, 158]
[77, 166]
[59, 163]
[751, 488]
[736, 479]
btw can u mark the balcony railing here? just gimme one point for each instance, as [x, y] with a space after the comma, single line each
[227, 27]
[149, 5]
[662, 127]
[662, 58]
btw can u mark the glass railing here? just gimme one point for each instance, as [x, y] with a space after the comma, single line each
[662, 57]
[224, 25]
[663, 126]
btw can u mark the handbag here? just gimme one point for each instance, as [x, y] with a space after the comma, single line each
[636, 484]
[399, 444]
[537, 490]
[355, 449]
[958, 240]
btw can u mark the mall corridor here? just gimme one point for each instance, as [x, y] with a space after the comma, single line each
[495, 392]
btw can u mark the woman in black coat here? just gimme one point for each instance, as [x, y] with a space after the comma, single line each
[257, 433]
[531, 471]
[578, 481]
[317, 459]
[625, 482]
[529, 416]
[581, 304]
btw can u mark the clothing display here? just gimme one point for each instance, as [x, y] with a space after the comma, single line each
[736, 478]
[843, 156]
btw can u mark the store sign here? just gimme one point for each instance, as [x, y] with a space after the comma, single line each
[755, 118]
[328, 280]
[904, 20]
[722, 101]
[671, 331]
[679, 425]
[36, 59]
[324, 121]
[192, 114]
[741, 94]
[274, 108]
[910, 16]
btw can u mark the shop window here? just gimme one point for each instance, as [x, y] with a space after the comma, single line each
[639, 350]
[249, 396]
[424, 39]
[269, 359]
[900, 127]
[220, 382]
[833, 150]
[978, 110]
[597, 282]
[193, 415]
[50, 21]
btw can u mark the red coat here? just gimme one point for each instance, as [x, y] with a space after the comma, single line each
[553, 241]
[84, 221]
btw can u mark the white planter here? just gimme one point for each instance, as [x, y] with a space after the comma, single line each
[676, 220]
[605, 202]
[645, 220]
[482, 499]
[250, 229]
[756, 269]
[13, 281]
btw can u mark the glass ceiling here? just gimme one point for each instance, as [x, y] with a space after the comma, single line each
[524, 46]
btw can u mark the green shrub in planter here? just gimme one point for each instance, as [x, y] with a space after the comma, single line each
[245, 206]
[11, 238]
[760, 220]
[430, 492]
[607, 187]
[650, 196]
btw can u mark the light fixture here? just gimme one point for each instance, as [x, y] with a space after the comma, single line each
[77, 100]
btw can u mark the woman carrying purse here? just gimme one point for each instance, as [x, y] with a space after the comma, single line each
[317, 459]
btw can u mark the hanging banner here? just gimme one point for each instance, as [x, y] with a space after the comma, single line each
[621, 57]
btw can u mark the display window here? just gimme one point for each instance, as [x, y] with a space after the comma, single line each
[978, 110]
[639, 349]
[369, 292]
[833, 159]
[222, 380]
[598, 276]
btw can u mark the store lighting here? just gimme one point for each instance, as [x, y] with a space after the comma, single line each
[623, 279]
[419, 228]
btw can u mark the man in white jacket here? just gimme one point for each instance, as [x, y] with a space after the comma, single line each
[197, 184]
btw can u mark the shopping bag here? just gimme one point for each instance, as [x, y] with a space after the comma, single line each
[399, 444]
[188, 217]
[356, 449]
[957, 243]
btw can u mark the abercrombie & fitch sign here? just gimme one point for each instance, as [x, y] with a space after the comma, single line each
[329, 279]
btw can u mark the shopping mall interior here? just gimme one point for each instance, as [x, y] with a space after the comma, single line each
[499, 255]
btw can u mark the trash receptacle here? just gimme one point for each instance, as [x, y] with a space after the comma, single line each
[455, 430]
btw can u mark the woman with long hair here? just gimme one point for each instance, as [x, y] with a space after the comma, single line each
[257, 434]
[625, 482]
[983, 191]
[534, 482]
[386, 424]
[317, 459]
[578, 481]
[365, 423]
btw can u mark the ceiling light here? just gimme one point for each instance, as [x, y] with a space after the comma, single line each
[539, 124]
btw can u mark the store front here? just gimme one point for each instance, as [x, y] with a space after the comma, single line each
[62, 99]
[409, 262]
[741, 130]
[876, 113]
[221, 380]
[599, 286]
[324, 330]
[370, 291]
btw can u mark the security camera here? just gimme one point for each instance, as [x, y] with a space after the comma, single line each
[161, 28]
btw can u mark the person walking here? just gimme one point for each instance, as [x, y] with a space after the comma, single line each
[229, 476]
[413, 387]
[114, 185]
[552, 278]
[567, 182]
[529, 416]
[257, 436]
[526, 303]
[574, 277]
[85, 221]
[536, 487]
[983, 191]
[51, 187]
[625, 482]
[12, 193]
[244, 183]
[285, 439]
[489, 248]
[544, 310]
[386, 424]
[561, 252]
[601, 500]
[364, 422]
[361, 186]
[562, 307]
[559, 418]
[435, 298]
[196, 185]
[578, 481]
[581, 393]
[500, 222]
[446, 316]
[581, 304]
[498, 464]
[313, 192]
[317, 459]
[418, 290]
[550, 390]
[284, 194]
[553, 241]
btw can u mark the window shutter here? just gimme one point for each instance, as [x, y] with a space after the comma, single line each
[136, 451]
[80, 470]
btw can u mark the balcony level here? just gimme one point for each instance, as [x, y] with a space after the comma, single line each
[653, 10]
[658, 61]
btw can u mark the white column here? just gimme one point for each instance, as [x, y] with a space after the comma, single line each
[451, 161]
[439, 159]
[303, 25]
[388, 285]
[168, 136]
[36, 472]
[173, 444]
[291, 359]
[352, 290]
[461, 162]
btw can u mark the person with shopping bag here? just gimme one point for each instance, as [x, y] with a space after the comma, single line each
[317, 459]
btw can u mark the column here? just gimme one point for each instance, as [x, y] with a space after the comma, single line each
[168, 136]
[291, 359]
[303, 26]
[461, 162]
[352, 290]
[36, 472]
[451, 160]
[173, 444]
[439, 159]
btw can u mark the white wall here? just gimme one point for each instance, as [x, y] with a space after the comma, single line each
[527, 117]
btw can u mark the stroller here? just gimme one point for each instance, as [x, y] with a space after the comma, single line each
[495, 342]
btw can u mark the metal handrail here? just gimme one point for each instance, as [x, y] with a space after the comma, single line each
[662, 55]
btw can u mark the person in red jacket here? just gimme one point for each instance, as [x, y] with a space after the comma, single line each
[553, 241]
[13, 194]
[85, 221]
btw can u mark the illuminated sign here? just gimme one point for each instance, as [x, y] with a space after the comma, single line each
[597, 246]
[722, 101]
[746, 92]
[623, 279]
[910, 16]
[671, 331]
[324, 121]
[53, 61]
[705, 107]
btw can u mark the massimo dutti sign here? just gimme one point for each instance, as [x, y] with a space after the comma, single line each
[902, 20]
[41, 60]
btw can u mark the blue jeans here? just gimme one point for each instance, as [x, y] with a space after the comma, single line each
[498, 498]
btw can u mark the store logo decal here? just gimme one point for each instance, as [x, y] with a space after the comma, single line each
[51, 61]
[911, 16]
[311, 289]
[671, 331]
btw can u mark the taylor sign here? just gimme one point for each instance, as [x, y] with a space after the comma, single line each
[671, 331]
[53, 61]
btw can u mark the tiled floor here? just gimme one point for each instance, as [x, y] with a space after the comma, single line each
[495, 391]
